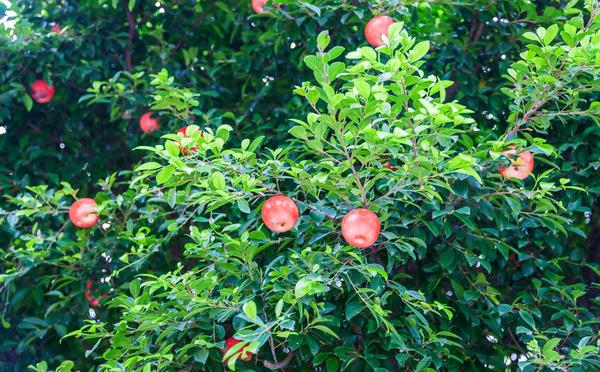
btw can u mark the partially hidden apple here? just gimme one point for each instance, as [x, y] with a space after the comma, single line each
[148, 124]
[360, 228]
[41, 92]
[186, 150]
[83, 213]
[56, 28]
[92, 299]
[242, 353]
[279, 213]
[389, 166]
[377, 27]
[520, 168]
[259, 6]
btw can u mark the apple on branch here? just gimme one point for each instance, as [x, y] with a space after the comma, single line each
[279, 213]
[259, 6]
[92, 299]
[360, 228]
[41, 92]
[83, 213]
[520, 168]
[148, 124]
[185, 150]
[389, 166]
[242, 353]
[376, 28]
[56, 29]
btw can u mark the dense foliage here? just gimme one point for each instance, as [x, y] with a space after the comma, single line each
[471, 270]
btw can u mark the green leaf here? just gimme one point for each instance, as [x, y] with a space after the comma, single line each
[298, 132]
[540, 32]
[315, 145]
[313, 8]
[255, 143]
[504, 249]
[279, 308]
[250, 309]
[447, 257]
[165, 174]
[551, 33]
[223, 132]
[148, 166]
[326, 330]
[217, 181]
[419, 51]
[551, 344]
[363, 88]
[323, 40]
[376, 269]
[131, 5]
[201, 356]
[243, 205]
[27, 101]
[526, 316]
[504, 308]
[134, 287]
[423, 363]
[172, 197]
[308, 285]
[548, 350]
[470, 172]
[172, 148]
[353, 309]
[531, 36]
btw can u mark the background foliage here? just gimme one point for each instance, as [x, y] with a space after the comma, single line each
[470, 271]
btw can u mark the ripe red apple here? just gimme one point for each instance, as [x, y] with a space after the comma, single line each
[83, 213]
[360, 228]
[259, 6]
[185, 150]
[56, 28]
[148, 124]
[279, 213]
[377, 27]
[42, 92]
[91, 298]
[389, 166]
[244, 355]
[519, 168]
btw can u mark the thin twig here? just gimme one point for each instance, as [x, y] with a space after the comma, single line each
[130, 37]
[281, 364]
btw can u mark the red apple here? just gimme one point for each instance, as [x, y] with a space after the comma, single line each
[279, 213]
[243, 353]
[56, 28]
[360, 227]
[148, 124]
[389, 166]
[185, 150]
[377, 27]
[83, 213]
[258, 6]
[42, 92]
[519, 168]
[91, 298]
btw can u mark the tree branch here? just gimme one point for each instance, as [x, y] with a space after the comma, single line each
[281, 364]
[130, 37]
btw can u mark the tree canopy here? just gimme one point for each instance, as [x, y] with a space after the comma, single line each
[436, 197]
